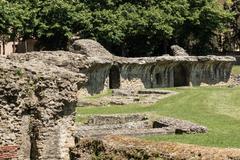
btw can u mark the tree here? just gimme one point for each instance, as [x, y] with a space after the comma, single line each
[232, 38]
[10, 21]
[125, 27]
[141, 28]
[200, 32]
[135, 26]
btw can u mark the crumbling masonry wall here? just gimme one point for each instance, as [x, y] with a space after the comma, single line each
[174, 71]
[150, 72]
[37, 105]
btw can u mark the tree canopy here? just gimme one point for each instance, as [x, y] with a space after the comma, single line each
[125, 27]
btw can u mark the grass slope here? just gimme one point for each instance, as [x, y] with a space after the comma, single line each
[216, 108]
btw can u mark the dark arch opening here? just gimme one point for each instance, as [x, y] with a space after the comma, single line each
[180, 76]
[114, 77]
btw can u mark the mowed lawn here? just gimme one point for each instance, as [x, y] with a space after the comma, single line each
[217, 108]
[236, 70]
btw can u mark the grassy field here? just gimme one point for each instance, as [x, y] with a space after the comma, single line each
[217, 108]
[236, 70]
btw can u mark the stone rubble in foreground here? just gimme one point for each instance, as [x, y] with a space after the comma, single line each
[125, 148]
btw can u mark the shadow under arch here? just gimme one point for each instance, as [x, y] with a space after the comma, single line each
[181, 76]
[114, 77]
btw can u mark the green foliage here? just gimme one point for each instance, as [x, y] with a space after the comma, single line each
[11, 19]
[203, 26]
[232, 42]
[129, 25]
[125, 27]
[19, 72]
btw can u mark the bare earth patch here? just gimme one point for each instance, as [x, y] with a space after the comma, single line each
[118, 147]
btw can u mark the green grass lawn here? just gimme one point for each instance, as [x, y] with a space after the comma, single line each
[236, 70]
[216, 108]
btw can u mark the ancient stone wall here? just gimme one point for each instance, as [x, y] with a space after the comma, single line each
[99, 65]
[169, 71]
[98, 80]
[37, 105]
[211, 70]
[113, 72]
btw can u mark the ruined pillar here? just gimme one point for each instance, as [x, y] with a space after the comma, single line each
[37, 106]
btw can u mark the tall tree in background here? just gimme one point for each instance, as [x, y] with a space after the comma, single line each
[136, 28]
[125, 27]
[206, 22]
[11, 21]
[232, 39]
[141, 28]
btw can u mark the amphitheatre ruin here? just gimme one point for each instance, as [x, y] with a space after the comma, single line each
[41, 90]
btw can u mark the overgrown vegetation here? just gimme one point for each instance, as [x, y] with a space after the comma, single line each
[217, 108]
[125, 27]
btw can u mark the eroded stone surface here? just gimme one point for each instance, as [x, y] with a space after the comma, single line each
[181, 126]
[135, 125]
[37, 105]
[115, 119]
[178, 51]
[168, 71]
[90, 48]
[124, 97]
[151, 72]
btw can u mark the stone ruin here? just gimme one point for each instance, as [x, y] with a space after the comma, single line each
[125, 148]
[125, 97]
[151, 72]
[37, 105]
[40, 90]
[135, 125]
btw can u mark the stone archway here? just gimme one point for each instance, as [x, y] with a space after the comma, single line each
[181, 76]
[114, 77]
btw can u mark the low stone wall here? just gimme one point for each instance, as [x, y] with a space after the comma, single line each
[135, 125]
[113, 119]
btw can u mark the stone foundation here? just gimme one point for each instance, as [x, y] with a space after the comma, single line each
[135, 125]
